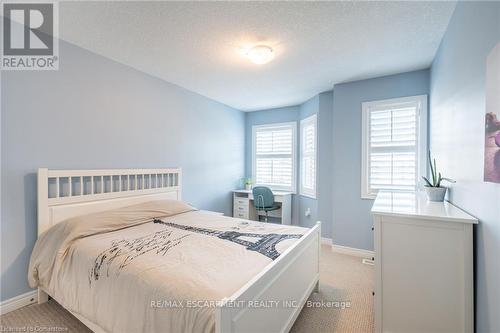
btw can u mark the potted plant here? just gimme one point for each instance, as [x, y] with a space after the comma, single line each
[248, 183]
[433, 188]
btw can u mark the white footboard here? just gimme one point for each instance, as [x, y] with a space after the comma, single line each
[273, 299]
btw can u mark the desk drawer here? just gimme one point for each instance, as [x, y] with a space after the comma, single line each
[240, 202]
[241, 208]
[240, 215]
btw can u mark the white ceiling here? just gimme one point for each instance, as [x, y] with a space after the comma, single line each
[197, 45]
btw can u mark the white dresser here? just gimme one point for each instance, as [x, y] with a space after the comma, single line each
[423, 265]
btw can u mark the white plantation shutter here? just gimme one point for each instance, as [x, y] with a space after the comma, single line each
[308, 149]
[273, 160]
[392, 145]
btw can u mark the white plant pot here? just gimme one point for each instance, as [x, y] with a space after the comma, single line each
[435, 193]
[248, 187]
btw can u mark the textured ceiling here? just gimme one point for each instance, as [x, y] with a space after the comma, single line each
[198, 45]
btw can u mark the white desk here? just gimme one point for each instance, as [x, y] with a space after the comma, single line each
[243, 206]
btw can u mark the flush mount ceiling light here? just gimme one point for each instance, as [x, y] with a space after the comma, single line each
[260, 54]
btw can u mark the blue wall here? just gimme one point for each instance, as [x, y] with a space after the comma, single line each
[307, 109]
[321, 105]
[352, 221]
[96, 113]
[321, 207]
[325, 162]
[457, 109]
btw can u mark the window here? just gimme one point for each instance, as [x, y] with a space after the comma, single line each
[308, 149]
[273, 155]
[394, 144]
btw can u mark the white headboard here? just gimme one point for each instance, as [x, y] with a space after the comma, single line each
[63, 194]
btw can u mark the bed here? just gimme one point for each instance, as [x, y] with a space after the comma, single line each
[249, 277]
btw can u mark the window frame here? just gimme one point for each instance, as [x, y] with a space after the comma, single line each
[313, 119]
[421, 149]
[293, 126]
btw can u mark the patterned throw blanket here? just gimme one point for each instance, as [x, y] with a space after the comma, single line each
[126, 250]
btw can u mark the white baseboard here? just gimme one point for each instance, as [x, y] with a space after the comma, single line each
[327, 241]
[18, 302]
[361, 253]
[352, 251]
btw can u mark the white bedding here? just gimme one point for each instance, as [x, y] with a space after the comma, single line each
[127, 272]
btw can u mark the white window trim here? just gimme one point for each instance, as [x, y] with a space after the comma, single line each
[293, 125]
[421, 144]
[304, 122]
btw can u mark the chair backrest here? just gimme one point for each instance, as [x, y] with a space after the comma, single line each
[263, 197]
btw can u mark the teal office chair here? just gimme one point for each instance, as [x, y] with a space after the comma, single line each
[263, 200]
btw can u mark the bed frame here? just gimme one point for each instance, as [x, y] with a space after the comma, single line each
[290, 279]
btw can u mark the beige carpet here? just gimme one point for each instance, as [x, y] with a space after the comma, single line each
[345, 303]
[343, 279]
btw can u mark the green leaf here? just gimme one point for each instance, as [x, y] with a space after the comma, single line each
[439, 180]
[449, 180]
[430, 163]
[434, 174]
[427, 181]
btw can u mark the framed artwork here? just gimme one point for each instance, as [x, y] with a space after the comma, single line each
[492, 123]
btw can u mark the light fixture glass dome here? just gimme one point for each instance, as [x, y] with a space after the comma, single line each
[260, 54]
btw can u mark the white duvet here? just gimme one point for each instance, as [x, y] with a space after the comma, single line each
[154, 267]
